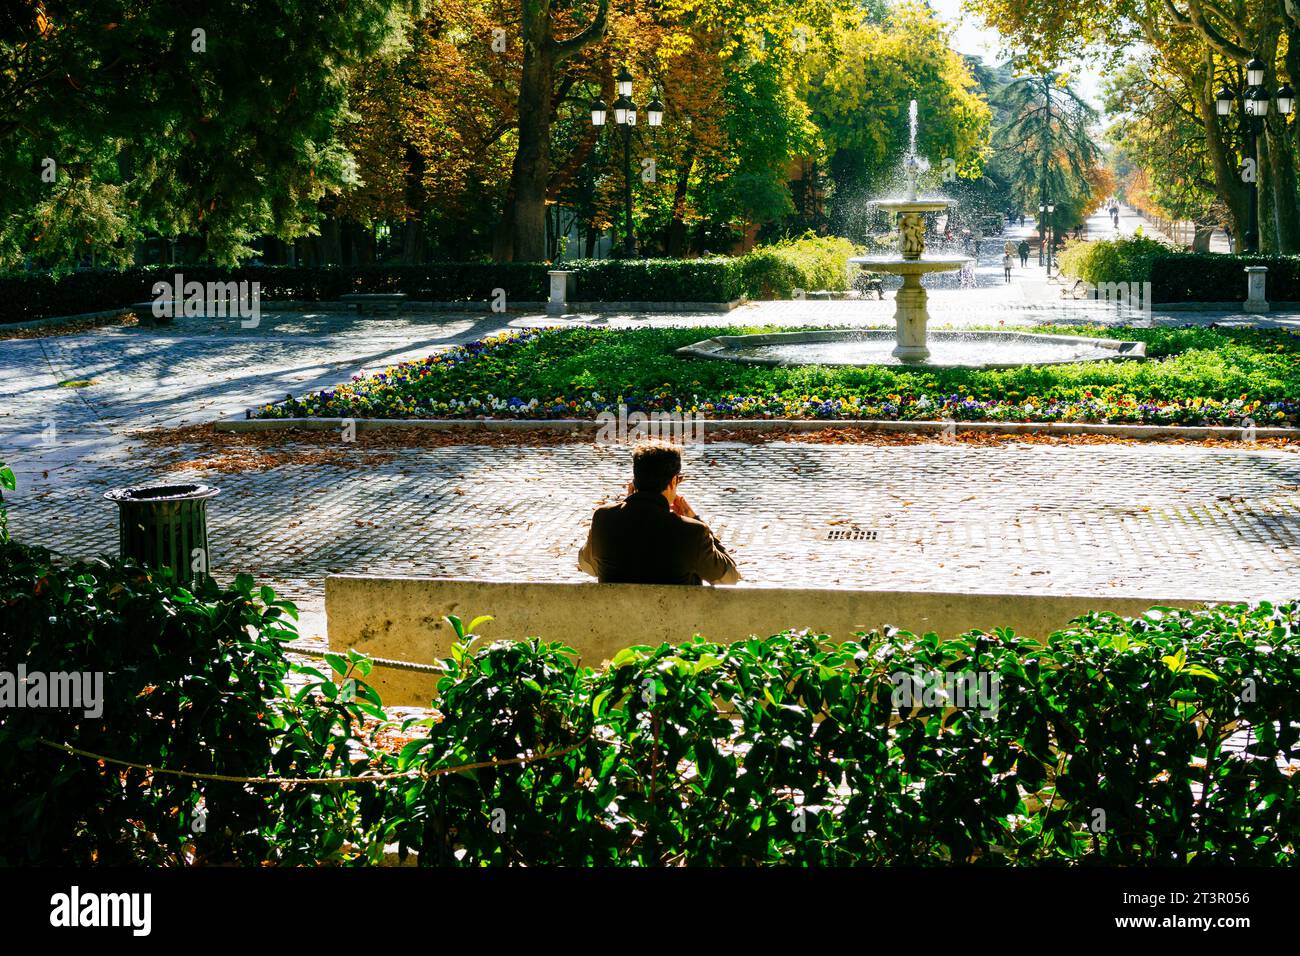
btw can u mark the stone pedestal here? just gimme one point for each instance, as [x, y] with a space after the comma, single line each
[1255, 301]
[558, 302]
[910, 316]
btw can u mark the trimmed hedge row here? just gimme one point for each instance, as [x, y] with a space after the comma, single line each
[1106, 744]
[29, 296]
[1179, 276]
[811, 262]
[39, 295]
[657, 280]
[1190, 277]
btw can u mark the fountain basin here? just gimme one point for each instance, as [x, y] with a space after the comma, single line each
[921, 204]
[947, 349]
[896, 265]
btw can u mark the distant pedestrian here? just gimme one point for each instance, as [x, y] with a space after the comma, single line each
[1023, 249]
[1006, 266]
[1022, 220]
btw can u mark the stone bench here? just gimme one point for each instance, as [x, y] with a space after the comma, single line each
[401, 618]
[374, 301]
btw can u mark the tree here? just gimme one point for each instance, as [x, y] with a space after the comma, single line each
[1158, 143]
[544, 52]
[1046, 146]
[859, 94]
[1205, 43]
[175, 118]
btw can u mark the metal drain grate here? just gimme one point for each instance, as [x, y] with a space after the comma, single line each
[850, 534]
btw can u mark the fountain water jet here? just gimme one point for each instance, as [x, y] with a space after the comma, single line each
[911, 313]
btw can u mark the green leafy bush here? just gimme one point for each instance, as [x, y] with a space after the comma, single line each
[1202, 277]
[810, 263]
[7, 483]
[715, 279]
[1112, 260]
[191, 681]
[1118, 740]
[1164, 739]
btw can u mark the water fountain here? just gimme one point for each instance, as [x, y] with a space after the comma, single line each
[911, 315]
[911, 340]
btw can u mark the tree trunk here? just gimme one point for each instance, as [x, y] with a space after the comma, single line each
[412, 242]
[331, 248]
[525, 219]
[532, 166]
[1282, 176]
[677, 228]
[1227, 175]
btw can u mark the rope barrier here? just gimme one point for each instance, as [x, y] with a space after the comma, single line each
[328, 781]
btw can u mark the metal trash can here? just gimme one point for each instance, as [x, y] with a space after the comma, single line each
[165, 526]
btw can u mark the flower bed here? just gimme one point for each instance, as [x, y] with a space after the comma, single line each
[1195, 377]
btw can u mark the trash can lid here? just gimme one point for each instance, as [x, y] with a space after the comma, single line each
[162, 493]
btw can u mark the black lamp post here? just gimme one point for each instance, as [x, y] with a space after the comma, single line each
[1255, 105]
[625, 118]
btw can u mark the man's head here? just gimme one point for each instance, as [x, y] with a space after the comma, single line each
[656, 467]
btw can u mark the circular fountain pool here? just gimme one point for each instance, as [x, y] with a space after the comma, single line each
[947, 349]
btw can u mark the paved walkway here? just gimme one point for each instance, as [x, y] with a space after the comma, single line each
[1153, 520]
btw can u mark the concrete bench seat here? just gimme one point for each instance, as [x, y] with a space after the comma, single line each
[401, 618]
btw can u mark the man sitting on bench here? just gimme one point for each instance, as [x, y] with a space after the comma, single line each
[653, 536]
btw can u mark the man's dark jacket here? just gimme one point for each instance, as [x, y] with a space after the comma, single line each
[640, 540]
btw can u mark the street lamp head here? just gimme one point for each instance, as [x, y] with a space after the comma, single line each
[624, 82]
[599, 112]
[1285, 99]
[1051, 208]
[631, 113]
[1255, 72]
[1223, 101]
[1257, 101]
[655, 112]
[620, 110]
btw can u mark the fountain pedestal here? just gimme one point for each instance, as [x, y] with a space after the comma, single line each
[910, 317]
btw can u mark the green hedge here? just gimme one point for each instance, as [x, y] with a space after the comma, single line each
[189, 680]
[812, 263]
[1112, 260]
[28, 296]
[1201, 277]
[1105, 744]
[38, 295]
[1179, 276]
[656, 280]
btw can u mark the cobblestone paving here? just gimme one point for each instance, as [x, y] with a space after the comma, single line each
[1127, 519]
